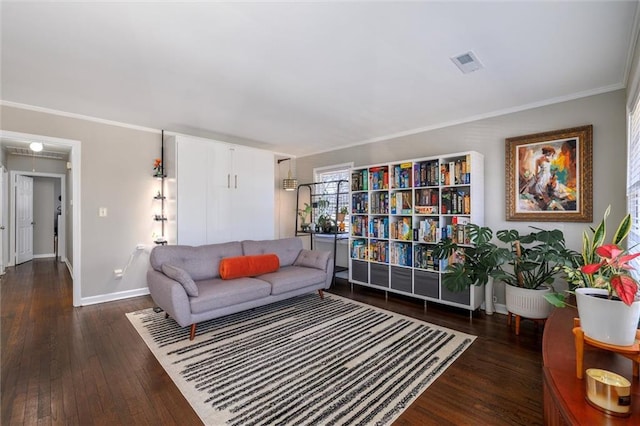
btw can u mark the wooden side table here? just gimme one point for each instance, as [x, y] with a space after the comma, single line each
[631, 352]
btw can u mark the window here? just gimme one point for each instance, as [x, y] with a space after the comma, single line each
[331, 175]
[633, 177]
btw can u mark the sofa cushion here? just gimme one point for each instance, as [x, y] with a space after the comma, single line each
[313, 259]
[217, 293]
[248, 266]
[201, 262]
[182, 277]
[292, 278]
[287, 249]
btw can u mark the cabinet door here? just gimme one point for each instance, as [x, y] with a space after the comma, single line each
[252, 201]
[220, 219]
[191, 163]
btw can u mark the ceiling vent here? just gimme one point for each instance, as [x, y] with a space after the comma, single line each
[467, 62]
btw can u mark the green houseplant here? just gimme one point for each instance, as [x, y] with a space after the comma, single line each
[303, 214]
[476, 263]
[601, 265]
[522, 261]
[529, 261]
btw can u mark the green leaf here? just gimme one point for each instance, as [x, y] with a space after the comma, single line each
[556, 299]
[623, 230]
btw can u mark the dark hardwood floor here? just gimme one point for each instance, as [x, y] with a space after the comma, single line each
[85, 366]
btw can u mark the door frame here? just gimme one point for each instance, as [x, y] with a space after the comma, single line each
[75, 157]
[62, 242]
[4, 209]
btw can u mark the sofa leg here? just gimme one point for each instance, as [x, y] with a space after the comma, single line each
[192, 334]
[321, 293]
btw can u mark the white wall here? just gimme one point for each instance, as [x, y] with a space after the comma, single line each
[116, 172]
[117, 168]
[606, 112]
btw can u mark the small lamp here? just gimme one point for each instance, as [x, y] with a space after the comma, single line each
[288, 184]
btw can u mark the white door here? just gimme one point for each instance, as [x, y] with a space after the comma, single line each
[253, 196]
[24, 219]
[222, 221]
[192, 192]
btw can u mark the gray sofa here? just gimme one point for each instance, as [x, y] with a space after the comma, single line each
[185, 282]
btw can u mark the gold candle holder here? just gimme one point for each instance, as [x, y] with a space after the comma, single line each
[608, 392]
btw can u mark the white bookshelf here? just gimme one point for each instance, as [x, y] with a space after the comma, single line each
[399, 210]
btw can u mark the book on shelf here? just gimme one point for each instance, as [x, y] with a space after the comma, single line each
[400, 254]
[402, 175]
[428, 231]
[379, 177]
[401, 202]
[359, 250]
[401, 229]
[379, 227]
[360, 202]
[379, 251]
[359, 180]
[359, 226]
[455, 201]
[457, 231]
[423, 258]
[380, 203]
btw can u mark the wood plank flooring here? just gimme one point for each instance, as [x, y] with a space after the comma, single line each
[88, 366]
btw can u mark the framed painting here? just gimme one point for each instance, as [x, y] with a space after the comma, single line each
[549, 176]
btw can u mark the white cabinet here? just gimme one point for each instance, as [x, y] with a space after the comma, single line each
[224, 192]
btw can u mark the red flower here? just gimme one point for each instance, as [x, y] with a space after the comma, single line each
[614, 268]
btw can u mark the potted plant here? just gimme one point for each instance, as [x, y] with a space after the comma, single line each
[528, 264]
[341, 216]
[472, 264]
[606, 293]
[303, 214]
[534, 262]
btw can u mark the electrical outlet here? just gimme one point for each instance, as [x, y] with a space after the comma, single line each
[140, 247]
[118, 273]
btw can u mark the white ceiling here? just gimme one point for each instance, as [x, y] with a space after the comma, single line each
[301, 78]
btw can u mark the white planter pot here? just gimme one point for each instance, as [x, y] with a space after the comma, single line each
[608, 321]
[528, 303]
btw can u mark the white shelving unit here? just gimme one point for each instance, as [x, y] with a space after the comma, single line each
[399, 210]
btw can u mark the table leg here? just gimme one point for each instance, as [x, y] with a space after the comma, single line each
[579, 340]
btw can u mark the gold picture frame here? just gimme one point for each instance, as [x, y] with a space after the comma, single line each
[549, 176]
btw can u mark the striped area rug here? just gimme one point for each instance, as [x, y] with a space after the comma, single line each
[303, 361]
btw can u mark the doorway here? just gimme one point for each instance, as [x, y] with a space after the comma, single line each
[73, 200]
[39, 230]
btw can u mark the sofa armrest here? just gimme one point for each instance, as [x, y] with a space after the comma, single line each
[170, 295]
[318, 259]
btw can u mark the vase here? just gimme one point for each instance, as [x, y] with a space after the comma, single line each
[607, 320]
[528, 303]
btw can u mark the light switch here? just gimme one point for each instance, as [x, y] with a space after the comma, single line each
[102, 212]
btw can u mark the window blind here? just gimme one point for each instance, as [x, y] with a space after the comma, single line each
[633, 180]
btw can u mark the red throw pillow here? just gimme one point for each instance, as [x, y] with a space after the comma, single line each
[248, 266]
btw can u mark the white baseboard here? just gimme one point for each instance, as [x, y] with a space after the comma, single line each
[44, 256]
[69, 267]
[501, 308]
[114, 296]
